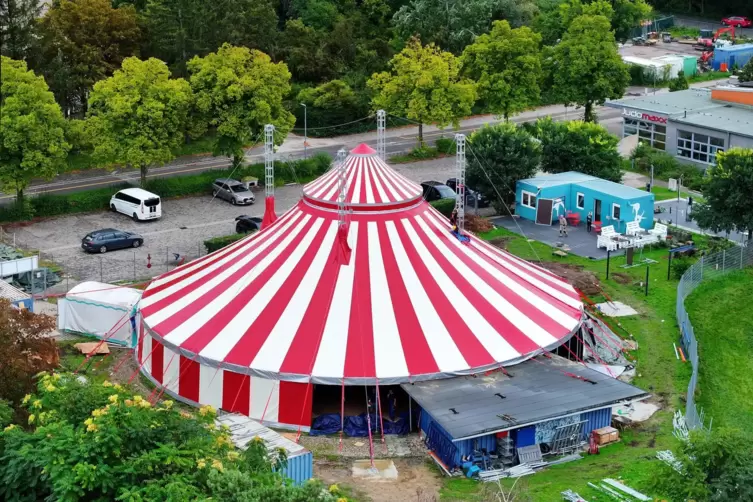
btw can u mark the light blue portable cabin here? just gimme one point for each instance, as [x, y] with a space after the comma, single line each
[544, 198]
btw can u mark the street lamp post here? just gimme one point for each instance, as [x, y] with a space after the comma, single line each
[305, 131]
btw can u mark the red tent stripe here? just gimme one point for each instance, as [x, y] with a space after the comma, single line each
[418, 355]
[359, 355]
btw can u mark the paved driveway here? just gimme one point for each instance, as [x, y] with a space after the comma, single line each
[185, 224]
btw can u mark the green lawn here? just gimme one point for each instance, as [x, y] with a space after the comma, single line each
[658, 372]
[726, 354]
[663, 193]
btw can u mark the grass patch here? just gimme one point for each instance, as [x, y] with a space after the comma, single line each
[663, 193]
[726, 355]
[654, 328]
[709, 75]
[442, 148]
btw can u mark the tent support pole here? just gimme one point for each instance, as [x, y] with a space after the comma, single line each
[410, 414]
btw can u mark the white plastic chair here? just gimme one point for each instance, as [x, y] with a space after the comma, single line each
[659, 230]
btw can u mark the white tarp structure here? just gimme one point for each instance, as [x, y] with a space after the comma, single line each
[101, 310]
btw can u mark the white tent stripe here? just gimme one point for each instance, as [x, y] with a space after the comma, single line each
[330, 360]
[222, 344]
[446, 353]
[388, 350]
[274, 349]
[493, 341]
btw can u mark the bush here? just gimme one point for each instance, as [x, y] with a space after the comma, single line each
[445, 146]
[680, 266]
[444, 206]
[666, 166]
[216, 243]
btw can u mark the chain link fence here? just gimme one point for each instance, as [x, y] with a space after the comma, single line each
[657, 25]
[708, 267]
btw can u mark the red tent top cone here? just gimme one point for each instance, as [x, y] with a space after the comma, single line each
[410, 303]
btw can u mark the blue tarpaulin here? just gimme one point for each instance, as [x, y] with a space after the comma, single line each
[357, 426]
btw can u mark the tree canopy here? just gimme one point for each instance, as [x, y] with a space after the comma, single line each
[424, 85]
[138, 115]
[17, 18]
[506, 64]
[746, 73]
[588, 69]
[453, 24]
[728, 205]
[238, 91]
[500, 155]
[32, 128]
[82, 42]
[578, 146]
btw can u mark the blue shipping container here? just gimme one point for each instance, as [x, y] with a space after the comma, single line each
[732, 55]
[300, 468]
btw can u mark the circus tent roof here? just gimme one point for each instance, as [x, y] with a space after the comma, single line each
[410, 302]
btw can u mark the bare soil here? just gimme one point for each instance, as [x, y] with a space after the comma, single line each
[416, 481]
[500, 242]
[584, 280]
[622, 278]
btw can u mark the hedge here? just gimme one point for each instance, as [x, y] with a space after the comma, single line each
[220, 242]
[46, 205]
[444, 206]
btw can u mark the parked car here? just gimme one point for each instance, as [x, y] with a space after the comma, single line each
[107, 239]
[434, 190]
[234, 191]
[737, 21]
[245, 224]
[471, 195]
[137, 203]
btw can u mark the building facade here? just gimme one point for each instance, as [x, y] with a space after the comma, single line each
[692, 125]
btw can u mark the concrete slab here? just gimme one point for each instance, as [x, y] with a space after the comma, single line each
[579, 242]
[616, 309]
[383, 469]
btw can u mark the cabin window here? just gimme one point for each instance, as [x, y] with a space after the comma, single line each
[615, 211]
[580, 201]
[528, 199]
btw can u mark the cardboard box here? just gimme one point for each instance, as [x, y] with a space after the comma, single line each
[606, 435]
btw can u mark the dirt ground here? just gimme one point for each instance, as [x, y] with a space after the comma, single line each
[584, 280]
[416, 481]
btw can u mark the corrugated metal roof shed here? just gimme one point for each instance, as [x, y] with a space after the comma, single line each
[243, 430]
[12, 293]
[537, 391]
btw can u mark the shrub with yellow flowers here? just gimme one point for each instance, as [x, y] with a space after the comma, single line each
[87, 440]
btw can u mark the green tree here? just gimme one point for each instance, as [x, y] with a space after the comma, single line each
[506, 64]
[578, 146]
[32, 128]
[333, 102]
[424, 84]
[82, 42]
[238, 91]
[628, 15]
[138, 115]
[100, 441]
[728, 205]
[17, 18]
[680, 83]
[588, 69]
[453, 24]
[713, 466]
[500, 155]
[746, 73]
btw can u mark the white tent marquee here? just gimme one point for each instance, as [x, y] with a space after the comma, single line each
[101, 310]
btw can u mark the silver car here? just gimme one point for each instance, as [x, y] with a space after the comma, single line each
[234, 191]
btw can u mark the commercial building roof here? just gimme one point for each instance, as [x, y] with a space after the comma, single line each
[669, 103]
[697, 107]
[586, 181]
[535, 391]
[724, 118]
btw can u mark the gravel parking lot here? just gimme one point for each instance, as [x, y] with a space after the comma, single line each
[184, 226]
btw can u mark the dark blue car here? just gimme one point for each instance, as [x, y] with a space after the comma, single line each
[107, 239]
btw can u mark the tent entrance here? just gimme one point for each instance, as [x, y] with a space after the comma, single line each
[361, 410]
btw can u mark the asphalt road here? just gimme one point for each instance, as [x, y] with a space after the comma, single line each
[397, 141]
[711, 24]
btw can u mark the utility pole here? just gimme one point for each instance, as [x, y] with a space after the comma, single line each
[305, 131]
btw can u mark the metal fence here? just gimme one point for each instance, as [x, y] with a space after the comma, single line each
[657, 25]
[708, 267]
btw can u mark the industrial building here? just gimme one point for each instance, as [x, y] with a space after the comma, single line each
[692, 125]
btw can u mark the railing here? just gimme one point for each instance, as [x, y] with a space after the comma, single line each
[707, 267]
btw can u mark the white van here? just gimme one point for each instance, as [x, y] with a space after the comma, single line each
[137, 203]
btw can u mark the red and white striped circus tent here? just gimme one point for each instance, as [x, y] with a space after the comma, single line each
[392, 296]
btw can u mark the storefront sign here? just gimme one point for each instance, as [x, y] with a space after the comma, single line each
[643, 116]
